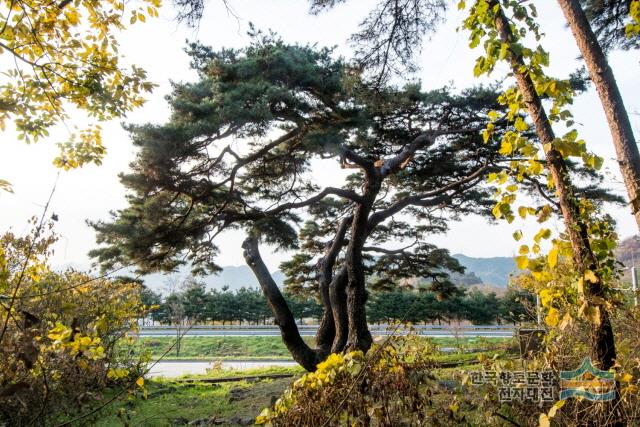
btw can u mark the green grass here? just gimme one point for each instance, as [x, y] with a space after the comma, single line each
[270, 370]
[256, 348]
[210, 348]
[172, 403]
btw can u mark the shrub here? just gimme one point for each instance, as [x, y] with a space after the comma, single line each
[390, 386]
[58, 333]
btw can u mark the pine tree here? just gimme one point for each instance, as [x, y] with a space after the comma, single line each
[237, 154]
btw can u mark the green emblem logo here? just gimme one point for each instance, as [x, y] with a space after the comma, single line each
[588, 382]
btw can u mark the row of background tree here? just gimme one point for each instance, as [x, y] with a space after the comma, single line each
[193, 304]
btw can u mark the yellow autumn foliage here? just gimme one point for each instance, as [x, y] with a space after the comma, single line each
[58, 332]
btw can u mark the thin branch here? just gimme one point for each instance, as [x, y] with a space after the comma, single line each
[30, 250]
[418, 199]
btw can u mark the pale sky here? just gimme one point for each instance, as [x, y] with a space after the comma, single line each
[158, 45]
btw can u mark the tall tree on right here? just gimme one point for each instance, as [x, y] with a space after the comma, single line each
[610, 97]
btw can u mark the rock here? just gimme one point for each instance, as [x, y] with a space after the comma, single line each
[180, 421]
[448, 384]
[241, 421]
[237, 394]
[211, 421]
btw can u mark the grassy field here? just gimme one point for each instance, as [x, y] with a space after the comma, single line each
[211, 348]
[172, 402]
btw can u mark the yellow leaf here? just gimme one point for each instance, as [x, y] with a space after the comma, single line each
[552, 257]
[626, 378]
[590, 276]
[566, 321]
[522, 211]
[544, 233]
[140, 382]
[580, 286]
[552, 412]
[553, 317]
[522, 262]
[544, 421]
[592, 314]
[521, 125]
[5, 186]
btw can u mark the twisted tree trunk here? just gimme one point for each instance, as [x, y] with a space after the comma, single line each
[359, 337]
[332, 324]
[307, 357]
[338, 298]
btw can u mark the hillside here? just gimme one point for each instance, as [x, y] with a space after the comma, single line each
[480, 271]
[628, 251]
[234, 277]
[492, 271]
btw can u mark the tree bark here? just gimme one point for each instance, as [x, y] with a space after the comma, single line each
[338, 297]
[307, 357]
[327, 328]
[602, 348]
[359, 337]
[607, 88]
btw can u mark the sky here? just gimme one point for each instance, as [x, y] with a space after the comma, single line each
[91, 192]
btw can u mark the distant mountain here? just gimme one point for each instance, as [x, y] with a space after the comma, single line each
[628, 251]
[479, 271]
[491, 271]
[234, 277]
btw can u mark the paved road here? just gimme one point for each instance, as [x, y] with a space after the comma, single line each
[267, 332]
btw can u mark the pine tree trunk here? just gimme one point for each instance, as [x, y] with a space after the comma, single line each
[307, 357]
[359, 337]
[338, 296]
[326, 330]
[602, 348]
[326, 335]
[607, 88]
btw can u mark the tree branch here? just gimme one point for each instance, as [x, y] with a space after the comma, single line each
[424, 140]
[388, 251]
[420, 199]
